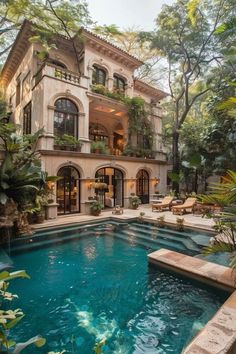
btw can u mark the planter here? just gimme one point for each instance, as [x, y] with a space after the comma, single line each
[96, 213]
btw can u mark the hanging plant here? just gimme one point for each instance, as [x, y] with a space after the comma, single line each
[139, 123]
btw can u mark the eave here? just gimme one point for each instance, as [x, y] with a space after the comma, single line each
[109, 49]
[155, 93]
[17, 52]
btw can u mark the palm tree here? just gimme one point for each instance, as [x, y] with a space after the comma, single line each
[224, 194]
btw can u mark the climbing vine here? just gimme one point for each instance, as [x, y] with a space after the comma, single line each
[139, 123]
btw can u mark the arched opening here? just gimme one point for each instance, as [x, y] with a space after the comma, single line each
[97, 132]
[57, 63]
[118, 140]
[66, 118]
[99, 76]
[113, 193]
[118, 84]
[68, 190]
[142, 186]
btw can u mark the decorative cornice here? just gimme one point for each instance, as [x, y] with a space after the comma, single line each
[17, 52]
[154, 92]
[103, 46]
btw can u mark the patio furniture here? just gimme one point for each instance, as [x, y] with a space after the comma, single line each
[166, 203]
[205, 209]
[181, 209]
[118, 210]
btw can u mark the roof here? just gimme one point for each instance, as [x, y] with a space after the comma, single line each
[115, 51]
[145, 88]
[22, 44]
[17, 52]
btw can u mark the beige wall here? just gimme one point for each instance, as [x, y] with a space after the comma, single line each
[87, 168]
[44, 92]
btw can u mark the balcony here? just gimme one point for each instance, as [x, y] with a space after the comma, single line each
[61, 74]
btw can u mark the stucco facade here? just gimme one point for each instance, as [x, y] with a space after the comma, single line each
[35, 89]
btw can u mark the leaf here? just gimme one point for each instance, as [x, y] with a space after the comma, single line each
[38, 341]
[11, 324]
[18, 274]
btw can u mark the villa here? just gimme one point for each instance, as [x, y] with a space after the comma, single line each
[79, 95]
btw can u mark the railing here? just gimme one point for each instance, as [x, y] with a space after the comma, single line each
[58, 73]
[67, 76]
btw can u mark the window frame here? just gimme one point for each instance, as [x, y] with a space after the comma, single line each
[116, 86]
[97, 70]
[65, 113]
[27, 119]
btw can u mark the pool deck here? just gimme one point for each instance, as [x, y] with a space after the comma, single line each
[219, 334]
[190, 220]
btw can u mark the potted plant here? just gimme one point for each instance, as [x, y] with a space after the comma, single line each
[180, 224]
[161, 221]
[96, 208]
[68, 142]
[134, 201]
[99, 147]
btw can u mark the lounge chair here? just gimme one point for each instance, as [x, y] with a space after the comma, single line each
[181, 209]
[166, 203]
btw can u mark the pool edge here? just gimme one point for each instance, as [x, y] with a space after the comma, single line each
[218, 336]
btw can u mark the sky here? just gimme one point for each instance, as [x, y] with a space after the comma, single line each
[126, 13]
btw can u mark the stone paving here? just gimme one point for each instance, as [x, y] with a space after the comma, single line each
[190, 219]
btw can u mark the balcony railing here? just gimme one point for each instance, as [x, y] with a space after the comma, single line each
[66, 75]
[58, 73]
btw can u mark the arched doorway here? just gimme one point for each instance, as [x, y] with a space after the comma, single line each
[142, 186]
[68, 190]
[113, 193]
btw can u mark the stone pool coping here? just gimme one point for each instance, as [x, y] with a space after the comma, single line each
[219, 334]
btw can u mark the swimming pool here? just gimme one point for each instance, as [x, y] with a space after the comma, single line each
[99, 286]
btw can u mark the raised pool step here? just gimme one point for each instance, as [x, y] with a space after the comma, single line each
[181, 234]
[157, 242]
[39, 243]
[187, 242]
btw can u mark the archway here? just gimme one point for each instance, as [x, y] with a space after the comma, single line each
[113, 193]
[142, 186]
[68, 190]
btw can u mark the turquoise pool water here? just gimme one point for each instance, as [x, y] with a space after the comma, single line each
[100, 287]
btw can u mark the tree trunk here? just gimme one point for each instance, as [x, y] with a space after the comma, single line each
[176, 162]
[196, 181]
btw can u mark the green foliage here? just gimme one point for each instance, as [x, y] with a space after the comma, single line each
[224, 194]
[102, 90]
[99, 147]
[96, 207]
[10, 318]
[67, 141]
[161, 221]
[185, 36]
[134, 201]
[49, 18]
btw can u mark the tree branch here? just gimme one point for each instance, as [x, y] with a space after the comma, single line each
[67, 32]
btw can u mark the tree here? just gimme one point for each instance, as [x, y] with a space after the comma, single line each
[224, 194]
[185, 35]
[48, 17]
[138, 44]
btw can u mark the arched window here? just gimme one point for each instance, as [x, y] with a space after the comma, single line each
[142, 186]
[68, 190]
[119, 84]
[57, 63]
[65, 118]
[99, 76]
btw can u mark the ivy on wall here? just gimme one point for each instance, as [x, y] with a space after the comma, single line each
[139, 123]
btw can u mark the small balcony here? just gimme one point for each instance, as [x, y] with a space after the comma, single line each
[61, 74]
